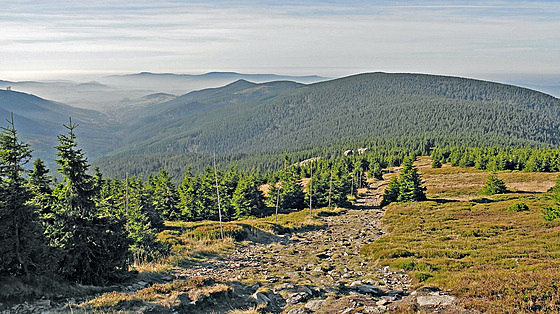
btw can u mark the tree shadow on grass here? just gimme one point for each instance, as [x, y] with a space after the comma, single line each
[442, 200]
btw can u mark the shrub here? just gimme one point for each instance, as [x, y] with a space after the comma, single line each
[518, 207]
[551, 213]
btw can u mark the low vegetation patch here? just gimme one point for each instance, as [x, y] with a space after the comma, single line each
[165, 295]
[500, 255]
[190, 242]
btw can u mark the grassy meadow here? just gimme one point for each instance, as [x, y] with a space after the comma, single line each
[495, 256]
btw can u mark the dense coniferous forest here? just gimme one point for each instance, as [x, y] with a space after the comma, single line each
[376, 110]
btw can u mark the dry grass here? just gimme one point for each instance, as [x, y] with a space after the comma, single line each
[497, 260]
[465, 184]
[165, 295]
[185, 250]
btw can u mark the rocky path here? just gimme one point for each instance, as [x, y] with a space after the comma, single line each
[322, 270]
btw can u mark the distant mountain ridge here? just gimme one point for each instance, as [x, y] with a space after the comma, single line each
[359, 108]
[233, 76]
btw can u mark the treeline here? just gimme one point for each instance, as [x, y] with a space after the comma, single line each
[382, 152]
[498, 158]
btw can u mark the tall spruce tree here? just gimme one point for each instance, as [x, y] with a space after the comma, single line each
[41, 186]
[407, 188]
[291, 193]
[94, 246]
[165, 196]
[410, 185]
[247, 199]
[22, 245]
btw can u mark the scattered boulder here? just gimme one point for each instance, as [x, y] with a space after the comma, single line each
[435, 300]
[260, 298]
[297, 311]
[314, 305]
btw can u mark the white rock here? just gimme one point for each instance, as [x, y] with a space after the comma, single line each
[430, 300]
[315, 305]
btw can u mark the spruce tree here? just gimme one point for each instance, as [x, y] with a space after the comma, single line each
[410, 185]
[407, 188]
[392, 192]
[247, 199]
[94, 246]
[22, 245]
[41, 186]
[291, 193]
[494, 185]
[165, 196]
[187, 196]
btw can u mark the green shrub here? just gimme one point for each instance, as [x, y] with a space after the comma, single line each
[422, 276]
[518, 207]
[213, 232]
[551, 213]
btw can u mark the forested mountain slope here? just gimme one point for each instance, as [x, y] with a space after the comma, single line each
[364, 107]
[39, 121]
[168, 122]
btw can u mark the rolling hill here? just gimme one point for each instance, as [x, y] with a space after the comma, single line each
[356, 108]
[39, 121]
[250, 120]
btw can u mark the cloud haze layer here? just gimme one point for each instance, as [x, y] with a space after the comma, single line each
[49, 39]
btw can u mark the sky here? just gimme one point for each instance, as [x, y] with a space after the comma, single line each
[52, 39]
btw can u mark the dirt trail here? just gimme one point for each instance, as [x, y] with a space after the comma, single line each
[327, 262]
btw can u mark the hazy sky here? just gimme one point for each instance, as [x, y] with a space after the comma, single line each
[58, 38]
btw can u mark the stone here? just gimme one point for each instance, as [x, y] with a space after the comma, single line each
[297, 311]
[167, 278]
[295, 298]
[382, 302]
[283, 286]
[260, 298]
[355, 283]
[314, 305]
[435, 300]
[368, 289]
[306, 290]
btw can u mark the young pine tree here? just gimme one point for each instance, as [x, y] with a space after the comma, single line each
[410, 185]
[94, 247]
[22, 245]
[494, 185]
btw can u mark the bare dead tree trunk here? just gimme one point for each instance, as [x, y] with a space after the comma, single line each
[311, 190]
[277, 201]
[330, 187]
[126, 200]
[218, 194]
[352, 186]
